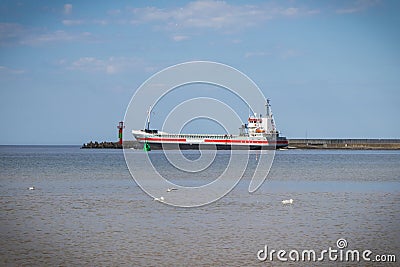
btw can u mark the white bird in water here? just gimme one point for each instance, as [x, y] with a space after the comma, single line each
[31, 188]
[161, 199]
[171, 189]
[287, 201]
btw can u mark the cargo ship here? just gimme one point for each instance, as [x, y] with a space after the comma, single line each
[258, 133]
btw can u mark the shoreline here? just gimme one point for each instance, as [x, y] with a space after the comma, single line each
[347, 144]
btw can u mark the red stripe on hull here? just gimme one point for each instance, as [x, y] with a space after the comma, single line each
[236, 141]
[163, 139]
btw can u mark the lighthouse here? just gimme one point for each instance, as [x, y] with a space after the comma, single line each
[120, 127]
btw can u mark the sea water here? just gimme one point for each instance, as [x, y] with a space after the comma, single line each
[86, 209]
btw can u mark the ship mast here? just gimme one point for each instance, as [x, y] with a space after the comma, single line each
[267, 108]
[148, 118]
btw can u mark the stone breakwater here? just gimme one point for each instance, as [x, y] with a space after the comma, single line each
[293, 144]
[112, 145]
[102, 145]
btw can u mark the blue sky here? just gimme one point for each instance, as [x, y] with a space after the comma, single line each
[68, 69]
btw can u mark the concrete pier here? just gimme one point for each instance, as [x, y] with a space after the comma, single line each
[344, 143]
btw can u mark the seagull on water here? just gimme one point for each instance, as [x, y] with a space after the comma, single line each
[287, 201]
[161, 199]
[31, 188]
[171, 189]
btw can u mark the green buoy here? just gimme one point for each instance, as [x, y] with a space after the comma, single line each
[146, 147]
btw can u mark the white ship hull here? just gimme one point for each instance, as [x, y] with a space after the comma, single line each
[205, 141]
[258, 133]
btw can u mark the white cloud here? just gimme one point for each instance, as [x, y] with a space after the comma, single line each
[291, 11]
[281, 52]
[256, 54]
[358, 6]
[88, 64]
[210, 14]
[67, 9]
[313, 11]
[178, 38]
[70, 22]
[114, 12]
[100, 21]
[76, 22]
[16, 34]
[111, 65]
[10, 33]
[7, 70]
[214, 15]
[56, 36]
[289, 53]
[111, 69]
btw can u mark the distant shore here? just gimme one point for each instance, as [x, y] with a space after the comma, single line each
[364, 144]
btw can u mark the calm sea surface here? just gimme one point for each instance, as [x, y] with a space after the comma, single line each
[87, 210]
